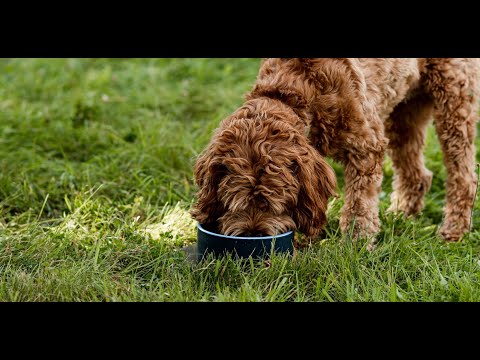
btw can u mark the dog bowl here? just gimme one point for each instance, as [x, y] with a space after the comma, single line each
[243, 247]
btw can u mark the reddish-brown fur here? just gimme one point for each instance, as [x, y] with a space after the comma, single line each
[264, 173]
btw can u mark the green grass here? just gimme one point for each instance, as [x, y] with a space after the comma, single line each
[96, 163]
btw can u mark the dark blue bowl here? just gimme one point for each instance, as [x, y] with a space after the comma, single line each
[243, 247]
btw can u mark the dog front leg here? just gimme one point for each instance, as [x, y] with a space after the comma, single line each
[363, 180]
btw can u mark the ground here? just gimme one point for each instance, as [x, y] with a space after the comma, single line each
[96, 163]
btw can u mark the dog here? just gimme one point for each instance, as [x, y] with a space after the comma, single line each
[264, 170]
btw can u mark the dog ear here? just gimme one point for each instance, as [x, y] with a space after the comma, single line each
[317, 184]
[207, 173]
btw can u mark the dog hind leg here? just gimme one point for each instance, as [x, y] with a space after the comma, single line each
[453, 83]
[406, 130]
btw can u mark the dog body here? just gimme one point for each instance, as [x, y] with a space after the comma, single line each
[264, 172]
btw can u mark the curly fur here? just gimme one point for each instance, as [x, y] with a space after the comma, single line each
[264, 170]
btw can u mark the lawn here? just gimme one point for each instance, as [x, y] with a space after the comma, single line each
[96, 161]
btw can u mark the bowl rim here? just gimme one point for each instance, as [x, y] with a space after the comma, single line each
[253, 238]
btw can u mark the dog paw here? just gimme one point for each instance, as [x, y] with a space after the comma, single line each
[452, 231]
[360, 227]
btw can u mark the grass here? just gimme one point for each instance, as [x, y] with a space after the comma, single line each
[96, 180]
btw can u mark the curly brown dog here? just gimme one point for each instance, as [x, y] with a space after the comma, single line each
[264, 173]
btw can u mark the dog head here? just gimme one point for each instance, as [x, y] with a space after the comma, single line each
[261, 177]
